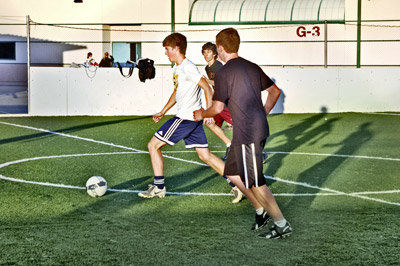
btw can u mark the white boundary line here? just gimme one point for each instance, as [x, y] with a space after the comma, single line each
[331, 191]
[96, 141]
[356, 194]
[194, 162]
[381, 114]
[315, 154]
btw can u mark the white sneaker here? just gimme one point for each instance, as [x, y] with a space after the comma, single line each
[152, 192]
[237, 194]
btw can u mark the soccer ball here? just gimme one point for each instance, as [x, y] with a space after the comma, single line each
[96, 186]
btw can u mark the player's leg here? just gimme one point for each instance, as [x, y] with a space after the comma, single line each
[209, 158]
[225, 115]
[154, 146]
[254, 179]
[234, 170]
[219, 133]
[235, 179]
[157, 188]
[217, 130]
[218, 165]
[164, 135]
[197, 139]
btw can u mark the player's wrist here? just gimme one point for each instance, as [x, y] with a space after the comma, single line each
[202, 113]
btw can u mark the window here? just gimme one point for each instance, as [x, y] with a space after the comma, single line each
[124, 51]
[208, 12]
[7, 50]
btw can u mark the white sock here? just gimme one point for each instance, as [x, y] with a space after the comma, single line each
[229, 144]
[281, 223]
[260, 211]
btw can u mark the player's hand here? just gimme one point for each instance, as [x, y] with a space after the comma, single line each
[157, 117]
[209, 121]
[197, 114]
[209, 81]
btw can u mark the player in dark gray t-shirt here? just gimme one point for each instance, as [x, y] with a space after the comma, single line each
[238, 84]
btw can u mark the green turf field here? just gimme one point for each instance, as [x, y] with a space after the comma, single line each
[335, 177]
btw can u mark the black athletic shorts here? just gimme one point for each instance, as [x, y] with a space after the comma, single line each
[245, 160]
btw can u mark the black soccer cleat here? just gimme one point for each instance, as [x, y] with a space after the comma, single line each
[277, 232]
[261, 221]
[264, 157]
[226, 153]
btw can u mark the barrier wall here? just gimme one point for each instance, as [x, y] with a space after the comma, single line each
[79, 91]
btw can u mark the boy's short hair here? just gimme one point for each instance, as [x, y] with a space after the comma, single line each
[176, 40]
[229, 39]
[210, 46]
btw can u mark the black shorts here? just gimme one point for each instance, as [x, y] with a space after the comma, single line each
[245, 160]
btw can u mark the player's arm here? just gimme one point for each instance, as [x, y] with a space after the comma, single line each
[208, 93]
[215, 109]
[171, 102]
[209, 81]
[273, 95]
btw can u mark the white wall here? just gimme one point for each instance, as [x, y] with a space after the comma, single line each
[69, 91]
[144, 11]
[81, 91]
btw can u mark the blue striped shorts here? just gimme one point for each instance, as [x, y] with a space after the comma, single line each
[191, 132]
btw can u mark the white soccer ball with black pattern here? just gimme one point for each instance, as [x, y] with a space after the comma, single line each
[96, 186]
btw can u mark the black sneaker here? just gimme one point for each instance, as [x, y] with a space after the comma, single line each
[261, 221]
[264, 157]
[278, 232]
[226, 153]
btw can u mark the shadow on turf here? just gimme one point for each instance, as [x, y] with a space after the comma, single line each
[322, 171]
[69, 129]
[172, 182]
[295, 136]
[182, 182]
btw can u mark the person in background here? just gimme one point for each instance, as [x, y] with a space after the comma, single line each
[107, 60]
[210, 54]
[90, 60]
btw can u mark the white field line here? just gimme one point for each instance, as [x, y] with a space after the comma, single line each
[331, 191]
[96, 141]
[381, 114]
[194, 162]
[315, 154]
[334, 191]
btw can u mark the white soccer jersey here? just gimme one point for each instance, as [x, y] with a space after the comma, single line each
[188, 93]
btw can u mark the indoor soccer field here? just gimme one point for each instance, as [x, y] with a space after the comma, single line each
[335, 177]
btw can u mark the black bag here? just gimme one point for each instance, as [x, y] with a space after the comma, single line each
[146, 69]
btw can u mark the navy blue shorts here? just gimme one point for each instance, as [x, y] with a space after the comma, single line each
[191, 132]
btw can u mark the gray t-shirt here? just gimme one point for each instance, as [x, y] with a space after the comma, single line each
[238, 84]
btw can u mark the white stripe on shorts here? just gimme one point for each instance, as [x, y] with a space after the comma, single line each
[196, 146]
[244, 165]
[253, 153]
[163, 139]
[172, 129]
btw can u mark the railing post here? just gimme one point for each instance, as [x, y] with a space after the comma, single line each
[326, 44]
[28, 59]
[359, 34]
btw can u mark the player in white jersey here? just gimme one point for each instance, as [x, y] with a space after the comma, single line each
[188, 83]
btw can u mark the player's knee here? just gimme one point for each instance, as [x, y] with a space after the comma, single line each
[205, 156]
[151, 146]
